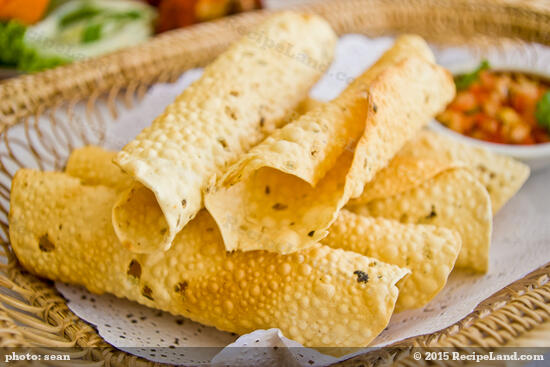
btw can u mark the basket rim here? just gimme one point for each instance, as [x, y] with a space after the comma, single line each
[23, 95]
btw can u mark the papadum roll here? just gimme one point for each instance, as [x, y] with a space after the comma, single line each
[430, 252]
[242, 96]
[321, 297]
[284, 193]
[452, 198]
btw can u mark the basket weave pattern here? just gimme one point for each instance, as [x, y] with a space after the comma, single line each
[67, 107]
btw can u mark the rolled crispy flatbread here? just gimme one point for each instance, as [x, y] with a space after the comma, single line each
[284, 193]
[242, 96]
[453, 198]
[430, 252]
[320, 297]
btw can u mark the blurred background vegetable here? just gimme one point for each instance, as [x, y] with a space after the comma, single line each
[543, 111]
[74, 30]
[27, 12]
[181, 13]
[40, 34]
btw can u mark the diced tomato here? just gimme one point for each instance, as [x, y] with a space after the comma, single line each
[528, 115]
[524, 95]
[475, 88]
[488, 79]
[488, 125]
[502, 87]
[519, 134]
[541, 136]
[491, 105]
[464, 101]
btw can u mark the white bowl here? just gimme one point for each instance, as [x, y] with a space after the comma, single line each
[506, 56]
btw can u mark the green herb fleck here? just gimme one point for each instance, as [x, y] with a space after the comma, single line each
[222, 142]
[432, 214]
[181, 287]
[279, 206]
[463, 81]
[290, 165]
[427, 252]
[134, 269]
[45, 245]
[147, 292]
[362, 277]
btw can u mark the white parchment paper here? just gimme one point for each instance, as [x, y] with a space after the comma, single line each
[520, 244]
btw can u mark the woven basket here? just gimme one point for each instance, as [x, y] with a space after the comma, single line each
[67, 107]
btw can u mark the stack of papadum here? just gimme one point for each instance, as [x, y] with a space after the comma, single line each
[243, 207]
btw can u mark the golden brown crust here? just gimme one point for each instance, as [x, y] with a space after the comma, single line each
[502, 176]
[284, 194]
[241, 97]
[430, 252]
[452, 199]
[318, 297]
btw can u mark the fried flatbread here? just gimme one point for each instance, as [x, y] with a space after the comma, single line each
[453, 199]
[430, 252]
[284, 193]
[241, 97]
[320, 297]
[502, 176]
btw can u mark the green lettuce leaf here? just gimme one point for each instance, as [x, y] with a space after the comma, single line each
[75, 30]
[16, 53]
[11, 42]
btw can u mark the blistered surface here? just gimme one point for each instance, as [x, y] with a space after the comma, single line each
[428, 251]
[520, 241]
[300, 176]
[244, 94]
[453, 199]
